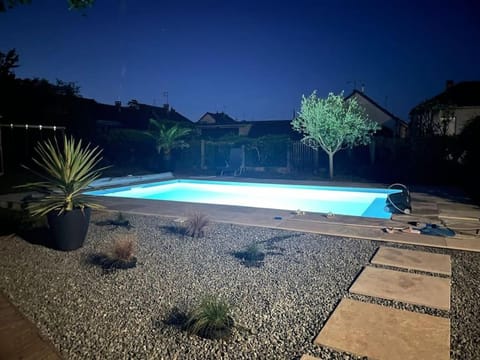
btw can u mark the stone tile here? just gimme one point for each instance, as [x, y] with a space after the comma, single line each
[417, 260]
[412, 288]
[470, 244]
[380, 333]
[308, 357]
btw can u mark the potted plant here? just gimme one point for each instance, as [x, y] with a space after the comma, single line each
[68, 171]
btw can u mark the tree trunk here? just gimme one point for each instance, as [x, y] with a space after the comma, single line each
[167, 161]
[330, 164]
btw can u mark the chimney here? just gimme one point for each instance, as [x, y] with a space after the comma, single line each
[118, 105]
[449, 84]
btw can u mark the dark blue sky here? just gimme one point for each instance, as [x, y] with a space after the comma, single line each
[251, 59]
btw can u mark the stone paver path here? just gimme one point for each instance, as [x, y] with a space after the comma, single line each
[380, 332]
[410, 259]
[402, 286]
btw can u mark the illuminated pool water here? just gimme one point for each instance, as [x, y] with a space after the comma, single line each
[366, 202]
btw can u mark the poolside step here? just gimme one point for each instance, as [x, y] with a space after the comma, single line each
[410, 259]
[380, 332]
[412, 288]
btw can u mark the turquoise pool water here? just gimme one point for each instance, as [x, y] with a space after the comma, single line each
[366, 202]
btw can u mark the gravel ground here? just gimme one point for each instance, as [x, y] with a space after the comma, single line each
[280, 307]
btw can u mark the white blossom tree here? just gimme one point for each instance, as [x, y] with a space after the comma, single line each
[333, 124]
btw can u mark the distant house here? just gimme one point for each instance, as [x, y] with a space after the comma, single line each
[217, 119]
[215, 125]
[272, 127]
[392, 126]
[133, 116]
[448, 112]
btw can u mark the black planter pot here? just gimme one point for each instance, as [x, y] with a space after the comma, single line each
[69, 229]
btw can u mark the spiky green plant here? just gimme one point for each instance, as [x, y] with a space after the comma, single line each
[253, 249]
[68, 171]
[211, 319]
[253, 255]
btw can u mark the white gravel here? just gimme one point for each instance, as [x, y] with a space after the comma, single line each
[280, 307]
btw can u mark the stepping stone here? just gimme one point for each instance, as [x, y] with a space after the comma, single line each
[417, 260]
[402, 286]
[379, 332]
[308, 357]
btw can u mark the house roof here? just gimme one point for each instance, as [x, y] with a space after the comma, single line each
[219, 118]
[465, 93]
[164, 112]
[126, 115]
[374, 103]
[271, 127]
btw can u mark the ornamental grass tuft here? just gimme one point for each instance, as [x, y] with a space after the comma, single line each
[195, 225]
[211, 319]
[124, 247]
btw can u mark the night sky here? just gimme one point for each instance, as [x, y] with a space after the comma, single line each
[251, 59]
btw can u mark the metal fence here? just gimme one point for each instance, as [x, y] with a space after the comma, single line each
[302, 158]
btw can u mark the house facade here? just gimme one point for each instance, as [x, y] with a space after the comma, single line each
[448, 112]
[392, 126]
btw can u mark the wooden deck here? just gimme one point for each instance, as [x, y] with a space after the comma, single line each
[20, 338]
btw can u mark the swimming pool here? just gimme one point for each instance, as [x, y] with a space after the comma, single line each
[366, 202]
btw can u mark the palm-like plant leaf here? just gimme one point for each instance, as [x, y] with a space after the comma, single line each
[69, 170]
[167, 137]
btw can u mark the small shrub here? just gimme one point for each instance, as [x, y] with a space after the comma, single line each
[176, 317]
[211, 320]
[119, 221]
[251, 256]
[124, 247]
[120, 256]
[195, 225]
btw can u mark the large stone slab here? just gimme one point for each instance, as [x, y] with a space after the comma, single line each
[402, 286]
[417, 260]
[308, 357]
[379, 332]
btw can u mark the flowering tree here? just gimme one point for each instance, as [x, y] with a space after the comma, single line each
[333, 124]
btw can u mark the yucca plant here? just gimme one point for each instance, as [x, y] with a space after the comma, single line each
[211, 319]
[68, 171]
